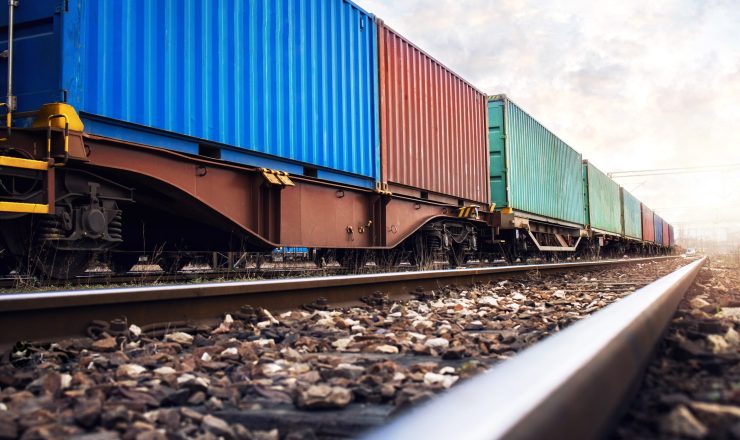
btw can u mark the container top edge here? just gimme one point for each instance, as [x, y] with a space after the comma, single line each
[381, 23]
[505, 99]
[361, 9]
[591, 165]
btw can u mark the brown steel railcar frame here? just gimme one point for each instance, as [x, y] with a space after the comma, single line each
[313, 213]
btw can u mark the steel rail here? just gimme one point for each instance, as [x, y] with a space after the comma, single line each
[159, 277]
[56, 315]
[572, 385]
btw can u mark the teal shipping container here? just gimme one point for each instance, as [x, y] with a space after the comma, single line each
[532, 171]
[603, 205]
[631, 215]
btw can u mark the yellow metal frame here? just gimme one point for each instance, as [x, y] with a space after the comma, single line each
[274, 177]
[24, 208]
[382, 189]
[26, 164]
[46, 110]
[284, 178]
[66, 132]
[37, 165]
[468, 211]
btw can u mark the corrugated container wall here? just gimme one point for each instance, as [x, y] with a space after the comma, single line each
[658, 229]
[292, 79]
[531, 169]
[648, 224]
[673, 235]
[433, 132]
[666, 234]
[631, 215]
[604, 207]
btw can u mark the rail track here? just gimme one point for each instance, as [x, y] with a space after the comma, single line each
[572, 385]
[144, 277]
[150, 274]
[359, 355]
[59, 314]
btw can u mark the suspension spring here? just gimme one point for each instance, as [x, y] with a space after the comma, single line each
[115, 227]
[49, 229]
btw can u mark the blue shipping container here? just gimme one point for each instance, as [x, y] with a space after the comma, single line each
[284, 84]
[658, 229]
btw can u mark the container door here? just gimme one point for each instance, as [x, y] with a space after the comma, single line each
[586, 195]
[36, 53]
[497, 151]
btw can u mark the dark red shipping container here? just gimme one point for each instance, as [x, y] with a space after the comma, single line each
[648, 227]
[666, 234]
[433, 141]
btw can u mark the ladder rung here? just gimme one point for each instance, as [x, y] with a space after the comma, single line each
[25, 208]
[27, 164]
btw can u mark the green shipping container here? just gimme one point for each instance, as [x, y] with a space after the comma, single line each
[603, 205]
[631, 215]
[532, 171]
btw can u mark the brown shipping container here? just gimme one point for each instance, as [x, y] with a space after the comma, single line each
[433, 127]
[666, 234]
[648, 226]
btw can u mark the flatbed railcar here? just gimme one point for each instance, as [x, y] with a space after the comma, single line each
[129, 136]
[284, 124]
[536, 184]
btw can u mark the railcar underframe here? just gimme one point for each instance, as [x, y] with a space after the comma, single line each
[103, 195]
[68, 197]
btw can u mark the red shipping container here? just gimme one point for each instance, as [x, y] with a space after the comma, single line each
[433, 127]
[666, 234]
[648, 227]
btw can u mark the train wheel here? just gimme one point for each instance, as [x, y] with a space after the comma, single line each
[122, 262]
[32, 243]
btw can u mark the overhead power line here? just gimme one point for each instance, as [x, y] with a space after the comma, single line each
[693, 207]
[666, 171]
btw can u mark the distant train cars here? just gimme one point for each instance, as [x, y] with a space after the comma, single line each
[547, 198]
[175, 129]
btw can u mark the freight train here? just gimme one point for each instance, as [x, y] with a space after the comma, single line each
[175, 129]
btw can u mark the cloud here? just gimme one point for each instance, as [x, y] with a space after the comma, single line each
[631, 84]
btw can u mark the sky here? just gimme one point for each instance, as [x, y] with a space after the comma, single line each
[632, 85]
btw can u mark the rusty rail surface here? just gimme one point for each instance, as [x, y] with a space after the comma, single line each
[572, 385]
[56, 315]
